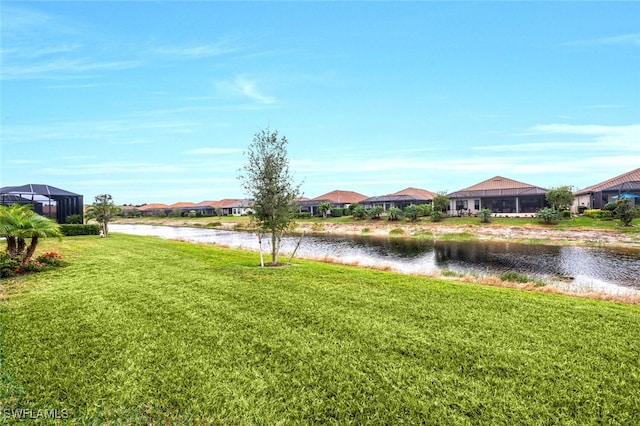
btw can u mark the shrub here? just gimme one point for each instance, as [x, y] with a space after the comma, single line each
[303, 215]
[605, 215]
[71, 230]
[610, 206]
[51, 259]
[8, 265]
[394, 214]
[337, 212]
[592, 213]
[75, 219]
[566, 214]
[547, 214]
[359, 213]
[485, 215]
[375, 212]
[436, 215]
[366, 230]
[411, 212]
[396, 231]
[582, 209]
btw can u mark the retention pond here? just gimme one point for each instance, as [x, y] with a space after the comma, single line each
[572, 268]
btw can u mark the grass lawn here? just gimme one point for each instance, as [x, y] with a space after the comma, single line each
[138, 330]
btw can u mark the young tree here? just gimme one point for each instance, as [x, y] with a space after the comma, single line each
[441, 202]
[624, 211]
[104, 210]
[324, 208]
[266, 179]
[560, 198]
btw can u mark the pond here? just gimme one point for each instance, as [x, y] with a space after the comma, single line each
[611, 270]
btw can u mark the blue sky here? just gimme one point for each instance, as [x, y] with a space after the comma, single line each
[157, 101]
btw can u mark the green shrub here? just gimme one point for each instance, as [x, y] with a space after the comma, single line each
[436, 215]
[396, 231]
[303, 215]
[75, 219]
[610, 206]
[337, 212]
[8, 265]
[592, 213]
[566, 214]
[72, 230]
[547, 214]
[394, 214]
[366, 230]
[360, 213]
[605, 215]
[582, 209]
[485, 215]
[51, 259]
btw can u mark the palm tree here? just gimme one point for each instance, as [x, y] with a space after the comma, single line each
[19, 223]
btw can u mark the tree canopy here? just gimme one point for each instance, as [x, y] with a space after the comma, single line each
[270, 186]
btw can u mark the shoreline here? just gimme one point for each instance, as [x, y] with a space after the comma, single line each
[525, 234]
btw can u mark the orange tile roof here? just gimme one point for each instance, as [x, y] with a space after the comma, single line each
[632, 176]
[181, 204]
[417, 192]
[153, 206]
[497, 182]
[339, 196]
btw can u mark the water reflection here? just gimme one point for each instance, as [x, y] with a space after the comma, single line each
[580, 268]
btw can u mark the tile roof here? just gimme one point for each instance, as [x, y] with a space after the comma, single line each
[417, 193]
[616, 183]
[181, 204]
[498, 186]
[341, 197]
[153, 206]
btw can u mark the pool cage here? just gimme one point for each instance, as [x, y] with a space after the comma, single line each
[46, 200]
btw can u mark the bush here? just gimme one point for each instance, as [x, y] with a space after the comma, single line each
[436, 215]
[610, 206]
[485, 215]
[51, 259]
[547, 214]
[75, 219]
[582, 209]
[566, 214]
[303, 215]
[360, 213]
[394, 214]
[337, 212]
[8, 265]
[72, 230]
[592, 213]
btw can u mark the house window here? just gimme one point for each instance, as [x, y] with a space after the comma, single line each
[476, 204]
[462, 204]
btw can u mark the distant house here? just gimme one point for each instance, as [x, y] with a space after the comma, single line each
[337, 198]
[234, 207]
[626, 185]
[46, 200]
[154, 209]
[400, 199]
[500, 195]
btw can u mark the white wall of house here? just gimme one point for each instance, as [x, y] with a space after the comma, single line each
[465, 206]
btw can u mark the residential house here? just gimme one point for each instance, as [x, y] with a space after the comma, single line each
[500, 195]
[46, 200]
[337, 198]
[401, 199]
[626, 185]
[154, 209]
[234, 207]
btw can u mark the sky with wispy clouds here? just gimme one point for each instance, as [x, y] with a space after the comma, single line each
[157, 101]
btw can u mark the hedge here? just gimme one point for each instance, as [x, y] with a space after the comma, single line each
[70, 230]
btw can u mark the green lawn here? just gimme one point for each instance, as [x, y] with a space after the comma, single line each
[138, 330]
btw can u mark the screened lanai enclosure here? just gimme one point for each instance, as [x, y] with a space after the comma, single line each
[46, 200]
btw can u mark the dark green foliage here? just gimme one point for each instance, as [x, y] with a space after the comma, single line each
[582, 209]
[394, 214]
[441, 202]
[74, 230]
[625, 211]
[411, 212]
[436, 215]
[566, 214]
[560, 198]
[8, 265]
[360, 213]
[337, 212]
[610, 206]
[75, 219]
[375, 212]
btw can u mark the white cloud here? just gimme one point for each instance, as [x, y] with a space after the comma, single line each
[247, 88]
[632, 39]
[197, 51]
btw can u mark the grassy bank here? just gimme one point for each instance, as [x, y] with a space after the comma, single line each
[142, 330]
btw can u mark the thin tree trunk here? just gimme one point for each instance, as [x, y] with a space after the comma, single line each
[260, 248]
[296, 249]
[32, 249]
[274, 247]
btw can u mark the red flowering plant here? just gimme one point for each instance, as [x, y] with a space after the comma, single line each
[51, 259]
